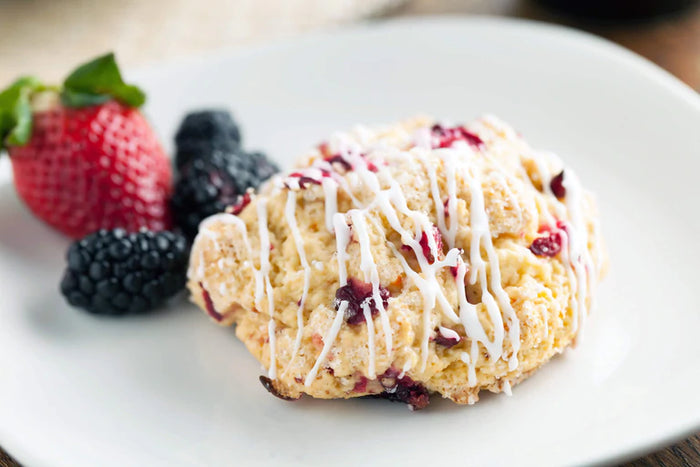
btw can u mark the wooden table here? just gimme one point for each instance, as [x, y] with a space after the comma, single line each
[672, 42]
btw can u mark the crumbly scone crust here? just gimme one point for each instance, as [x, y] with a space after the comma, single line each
[541, 290]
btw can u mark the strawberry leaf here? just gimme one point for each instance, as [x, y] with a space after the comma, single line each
[98, 81]
[16, 111]
[80, 99]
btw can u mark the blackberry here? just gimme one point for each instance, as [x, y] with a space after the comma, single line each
[209, 185]
[203, 132]
[112, 272]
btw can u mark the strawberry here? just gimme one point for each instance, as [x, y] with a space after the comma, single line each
[83, 156]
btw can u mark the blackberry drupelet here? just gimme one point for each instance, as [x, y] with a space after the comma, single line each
[207, 186]
[112, 272]
[203, 132]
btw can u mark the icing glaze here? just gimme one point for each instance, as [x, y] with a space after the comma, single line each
[350, 165]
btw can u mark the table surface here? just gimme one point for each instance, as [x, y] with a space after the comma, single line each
[43, 35]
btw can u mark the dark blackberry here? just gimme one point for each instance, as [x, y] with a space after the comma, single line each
[209, 185]
[112, 272]
[203, 132]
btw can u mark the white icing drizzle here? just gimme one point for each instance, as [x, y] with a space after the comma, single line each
[371, 364]
[448, 333]
[448, 233]
[369, 269]
[406, 366]
[580, 256]
[580, 269]
[272, 336]
[431, 292]
[390, 202]
[388, 199]
[473, 327]
[481, 236]
[290, 215]
[328, 342]
[507, 388]
[264, 235]
[342, 238]
[470, 361]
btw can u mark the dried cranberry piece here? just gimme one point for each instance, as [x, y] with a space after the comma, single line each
[361, 385]
[356, 292]
[425, 245]
[241, 203]
[407, 391]
[445, 137]
[447, 341]
[549, 245]
[347, 166]
[209, 305]
[267, 384]
[557, 185]
[304, 180]
[338, 159]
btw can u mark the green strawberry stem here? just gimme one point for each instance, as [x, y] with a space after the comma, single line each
[92, 83]
[98, 81]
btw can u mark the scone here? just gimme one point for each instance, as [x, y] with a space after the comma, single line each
[405, 260]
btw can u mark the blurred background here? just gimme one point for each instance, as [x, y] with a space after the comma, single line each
[46, 37]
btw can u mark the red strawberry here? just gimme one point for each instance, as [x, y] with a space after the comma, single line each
[89, 161]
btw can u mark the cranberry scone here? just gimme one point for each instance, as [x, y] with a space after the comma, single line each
[403, 261]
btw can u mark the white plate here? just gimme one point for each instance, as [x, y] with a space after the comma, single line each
[172, 389]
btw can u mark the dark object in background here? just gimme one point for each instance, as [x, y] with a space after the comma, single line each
[618, 9]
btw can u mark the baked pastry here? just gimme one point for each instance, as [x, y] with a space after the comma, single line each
[405, 260]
